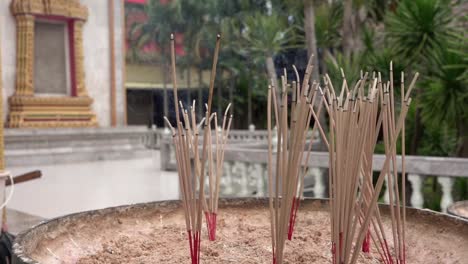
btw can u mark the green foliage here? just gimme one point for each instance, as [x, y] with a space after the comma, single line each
[418, 27]
[328, 21]
[164, 19]
[351, 67]
[432, 193]
[265, 35]
[445, 98]
[380, 62]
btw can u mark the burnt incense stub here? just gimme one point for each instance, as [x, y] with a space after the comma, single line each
[155, 233]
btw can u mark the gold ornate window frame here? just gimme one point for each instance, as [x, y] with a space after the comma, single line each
[28, 110]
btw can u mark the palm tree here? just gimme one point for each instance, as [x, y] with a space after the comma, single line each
[328, 21]
[265, 36]
[348, 28]
[416, 31]
[445, 100]
[310, 33]
[419, 27]
[164, 18]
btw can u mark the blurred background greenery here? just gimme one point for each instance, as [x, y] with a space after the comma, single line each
[261, 37]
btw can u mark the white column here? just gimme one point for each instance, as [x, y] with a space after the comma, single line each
[417, 200]
[447, 184]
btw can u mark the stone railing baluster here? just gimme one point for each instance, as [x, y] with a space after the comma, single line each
[447, 199]
[386, 195]
[417, 200]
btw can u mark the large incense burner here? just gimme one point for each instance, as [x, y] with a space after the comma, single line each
[156, 233]
[349, 228]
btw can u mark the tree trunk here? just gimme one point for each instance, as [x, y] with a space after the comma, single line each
[418, 132]
[219, 95]
[232, 83]
[462, 148]
[309, 25]
[311, 41]
[249, 106]
[272, 71]
[189, 85]
[347, 28]
[273, 77]
[166, 106]
[200, 93]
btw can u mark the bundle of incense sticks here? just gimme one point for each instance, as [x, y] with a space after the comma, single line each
[215, 169]
[192, 175]
[356, 118]
[286, 181]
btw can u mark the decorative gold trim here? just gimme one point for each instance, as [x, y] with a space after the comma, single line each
[79, 58]
[24, 54]
[50, 101]
[27, 111]
[63, 8]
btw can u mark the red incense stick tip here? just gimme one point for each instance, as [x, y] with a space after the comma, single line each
[366, 243]
[213, 227]
[292, 218]
[208, 224]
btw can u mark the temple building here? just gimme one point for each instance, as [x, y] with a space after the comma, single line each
[63, 63]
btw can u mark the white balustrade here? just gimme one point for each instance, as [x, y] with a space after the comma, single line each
[447, 184]
[243, 178]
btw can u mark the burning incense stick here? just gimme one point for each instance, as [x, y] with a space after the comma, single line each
[191, 175]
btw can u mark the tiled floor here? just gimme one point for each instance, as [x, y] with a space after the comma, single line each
[70, 188]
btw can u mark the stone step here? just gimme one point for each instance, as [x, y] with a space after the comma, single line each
[74, 157]
[35, 138]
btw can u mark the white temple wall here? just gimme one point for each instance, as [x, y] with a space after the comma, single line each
[8, 50]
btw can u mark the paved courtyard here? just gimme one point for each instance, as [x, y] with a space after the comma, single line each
[71, 188]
